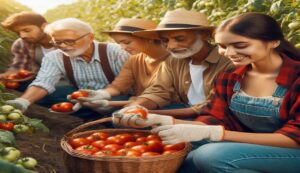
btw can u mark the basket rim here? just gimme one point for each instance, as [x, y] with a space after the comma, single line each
[69, 150]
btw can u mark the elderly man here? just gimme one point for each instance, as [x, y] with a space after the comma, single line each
[32, 45]
[79, 58]
[188, 76]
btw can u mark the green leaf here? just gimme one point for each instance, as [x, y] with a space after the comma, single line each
[7, 137]
[37, 124]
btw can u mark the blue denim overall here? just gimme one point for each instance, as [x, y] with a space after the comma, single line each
[260, 114]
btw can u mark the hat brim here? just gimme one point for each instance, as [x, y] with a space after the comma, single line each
[117, 32]
[153, 33]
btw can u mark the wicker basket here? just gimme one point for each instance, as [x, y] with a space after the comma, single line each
[79, 163]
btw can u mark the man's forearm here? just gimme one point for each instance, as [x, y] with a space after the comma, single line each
[33, 94]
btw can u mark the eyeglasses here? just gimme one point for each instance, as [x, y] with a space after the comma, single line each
[67, 42]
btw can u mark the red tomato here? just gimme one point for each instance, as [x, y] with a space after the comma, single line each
[169, 152]
[100, 135]
[77, 142]
[87, 149]
[99, 144]
[115, 140]
[150, 154]
[126, 137]
[78, 94]
[141, 140]
[12, 76]
[105, 153]
[12, 85]
[179, 146]
[7, 126]
[155, 146]
[130, 144]
[122, 152]
[153, 137]
[62, 107]
[24, 73]
[141, 148]
[112, 147]
[133, 153]
[137, 111]
[138, 134]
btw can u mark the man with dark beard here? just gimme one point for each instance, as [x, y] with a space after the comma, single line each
[187, 77]
[32, 45]
[78, 59]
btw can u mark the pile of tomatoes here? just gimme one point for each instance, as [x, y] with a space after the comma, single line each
[11, 82]
[11, 118]
[135, 144]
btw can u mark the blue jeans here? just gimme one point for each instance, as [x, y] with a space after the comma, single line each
[230, 157]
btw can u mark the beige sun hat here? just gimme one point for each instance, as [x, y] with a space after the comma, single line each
[129, 25]
[179, 19]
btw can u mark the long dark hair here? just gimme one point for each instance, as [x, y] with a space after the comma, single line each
[261, 27]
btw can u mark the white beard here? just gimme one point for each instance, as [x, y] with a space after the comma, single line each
[76, 52]
[188, 52]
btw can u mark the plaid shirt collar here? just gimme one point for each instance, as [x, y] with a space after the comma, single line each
[286, 76]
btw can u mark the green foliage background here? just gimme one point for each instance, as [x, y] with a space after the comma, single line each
[103, 14]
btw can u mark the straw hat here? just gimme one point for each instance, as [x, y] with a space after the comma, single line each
[129, 25]
[179, 19]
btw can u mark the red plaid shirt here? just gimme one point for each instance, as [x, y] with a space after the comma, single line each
[218, 112]
[23, 56]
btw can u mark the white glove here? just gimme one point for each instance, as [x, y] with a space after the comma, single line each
[172, 134]
[77, 104]
[100, 94]
[19, 103]
[135, 121]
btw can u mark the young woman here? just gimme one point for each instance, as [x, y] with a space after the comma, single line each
[140, 70]
[253, 122]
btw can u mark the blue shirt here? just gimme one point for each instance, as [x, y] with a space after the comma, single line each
[88, 75]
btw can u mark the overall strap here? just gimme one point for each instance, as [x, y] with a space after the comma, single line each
[69, 70]
[104, 63]
[237, 87]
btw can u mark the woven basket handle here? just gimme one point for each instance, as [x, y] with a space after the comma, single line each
[88, 124]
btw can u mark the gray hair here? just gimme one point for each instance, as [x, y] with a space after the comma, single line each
[69, 24]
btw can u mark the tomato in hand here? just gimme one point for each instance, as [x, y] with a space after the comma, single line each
[24, 73]
[77, 142]
[12, 85]
[62, 107]
[142, 113]
[87, 149]
[7, 126]
[78, 94]
[12, 76]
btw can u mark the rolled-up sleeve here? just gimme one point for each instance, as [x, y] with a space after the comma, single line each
[49, 73]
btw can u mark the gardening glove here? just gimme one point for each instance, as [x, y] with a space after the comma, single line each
[97, 105]
[19, 103]
[77, 104]
[172, 134]
[94, 95]
[136, 121]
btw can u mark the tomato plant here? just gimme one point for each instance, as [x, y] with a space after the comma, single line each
[77, 94]
[62, 107]
[77, 142]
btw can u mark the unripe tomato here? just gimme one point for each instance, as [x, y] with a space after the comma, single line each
[13, 116]
[10, 154]
[78, 94]
[7, 108]
[3, 118]
[21, 128]
[27, 162]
